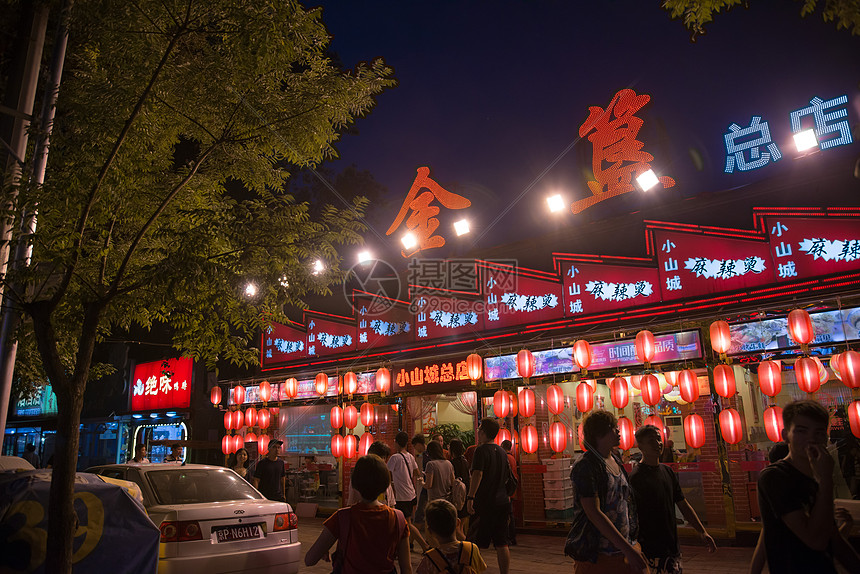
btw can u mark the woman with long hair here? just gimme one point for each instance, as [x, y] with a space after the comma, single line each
[239, 463]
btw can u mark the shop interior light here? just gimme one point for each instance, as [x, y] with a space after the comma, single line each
[250, 290]
[805, 140]
[170, 414]
[409, 240]
[137, 416]
[153, 415]
[365, 256]
[647, 180]
[461, 227]
[555, 202]
[319, 267]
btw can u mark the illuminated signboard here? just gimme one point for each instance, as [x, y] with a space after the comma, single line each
[595, 287]
[690, 264]
[515, 298]
[43, 402]
[551, 362]
[808, 247]
[329, 337]
[437, 317]
[771, 334]
[381, 325]
[672, 347]
[283, 343]
[162, 385]
[438, 376]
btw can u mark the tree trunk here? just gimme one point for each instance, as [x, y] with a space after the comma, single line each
[62, 521]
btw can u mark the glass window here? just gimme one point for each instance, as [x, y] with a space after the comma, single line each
[199, 485]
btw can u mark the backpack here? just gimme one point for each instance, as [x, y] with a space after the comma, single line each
[464, 563]
[457, 496]
[511, 482]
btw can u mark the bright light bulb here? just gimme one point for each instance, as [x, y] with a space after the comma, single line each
[461, 227]
[285, 283]
[364, 256]
[319, 267]
[647, 180]
[250, 290]
[409, 240]
[556, 203]
[805, 140]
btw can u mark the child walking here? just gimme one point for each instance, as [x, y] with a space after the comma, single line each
[370, 535]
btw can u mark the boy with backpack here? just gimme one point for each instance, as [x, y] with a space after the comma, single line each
[448, 555]
[370, 535]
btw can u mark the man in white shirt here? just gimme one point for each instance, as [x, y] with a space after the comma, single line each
[405, 478]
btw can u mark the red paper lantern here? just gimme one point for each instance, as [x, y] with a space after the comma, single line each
[854, 418]
[694, 431]
[626, 433]
[264, 419]
[730, 426]
[349, 445]
[636, 382]
[238, 395]
[215, 395]
[806, 373]
[557, 436]
[672, 377]
[849, 368]
[724, 381]
[265, 391]
[650, 387]
[501, 404]
[582, 354]
[619, 394]
[226, 444]
[525, 363]
[291, 387]
[656, 421]
[527, 403]
[383, 380]
[770, 378]
[350, 416]
[337, 445]
[688, 384]
[250, 437]
[474, 366]
[581, 436]
[321, 384]
[263, 444]
[645, 346]
[250, 416]
[364, 443]
[721, 337]
[800, 327]
[238, 420]
[555, 399]
[502, 436]
[350, 382]
[238, 442]
[336, 418]
[584, 397]
[773, 424]
[367, 414]
[512, 399]
[228, 420]
[529, 439]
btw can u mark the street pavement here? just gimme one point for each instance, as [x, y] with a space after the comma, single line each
[544, 553]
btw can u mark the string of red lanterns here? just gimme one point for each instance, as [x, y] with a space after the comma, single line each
[475, 367]
[291, 387]
[383, 380]
[584, 397]
[582, 354]
[555, 399]
[526, 402]
[694, 430]
[626, 433]
[215, 395]
[525, 363]
[724, 381]
[321, 384]
[645, 346]
[619, 394]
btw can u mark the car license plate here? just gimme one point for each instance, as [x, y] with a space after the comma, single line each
[233, 533]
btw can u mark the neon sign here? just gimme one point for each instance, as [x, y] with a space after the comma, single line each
[758, 158]
[438, 375]
[162, 385]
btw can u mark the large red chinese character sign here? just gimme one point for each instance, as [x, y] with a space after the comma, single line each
[422, 219]
[618, 155]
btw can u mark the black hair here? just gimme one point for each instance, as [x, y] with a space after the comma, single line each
[418, 439]
[441, 517]
[806, 408]
[434, 450]
[507, 445]
[402, 439]
[370, 477]
[456, 447]
[138, 447]
[778, 451]
[596, 424]
[380, 449]
[646, 430]
[490, 428]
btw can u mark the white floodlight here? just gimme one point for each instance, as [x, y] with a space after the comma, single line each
[461, 227]
[319, 267]
[647, 180]
[250, 290]
[555, 202]
[285, 282]
[365, 256]
[409, 240]
[805, 140]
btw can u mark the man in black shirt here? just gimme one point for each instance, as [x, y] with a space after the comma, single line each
[487, 499]
[795, 496]
[269, 474]
[657, 491]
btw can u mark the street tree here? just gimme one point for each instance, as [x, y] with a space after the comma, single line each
[164, 193]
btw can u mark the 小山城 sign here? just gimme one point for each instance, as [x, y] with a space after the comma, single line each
[437, 376]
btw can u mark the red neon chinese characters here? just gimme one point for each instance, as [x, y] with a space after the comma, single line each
[422, 221]
[612, 133]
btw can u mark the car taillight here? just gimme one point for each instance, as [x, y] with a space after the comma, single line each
[180, 531]
[286, 521]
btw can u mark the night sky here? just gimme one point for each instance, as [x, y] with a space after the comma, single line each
[491, 96]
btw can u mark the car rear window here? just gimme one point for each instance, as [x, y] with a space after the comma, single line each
[192, 486]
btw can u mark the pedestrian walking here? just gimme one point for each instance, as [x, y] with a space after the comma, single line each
[462, 472]
[512, 463]
[270, 473]
[405, 476]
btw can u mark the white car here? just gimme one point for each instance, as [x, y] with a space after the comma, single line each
[211, 520]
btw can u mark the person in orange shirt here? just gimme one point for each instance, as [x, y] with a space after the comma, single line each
[515, 499]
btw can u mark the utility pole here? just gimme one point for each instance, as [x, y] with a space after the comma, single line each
[16, 150]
